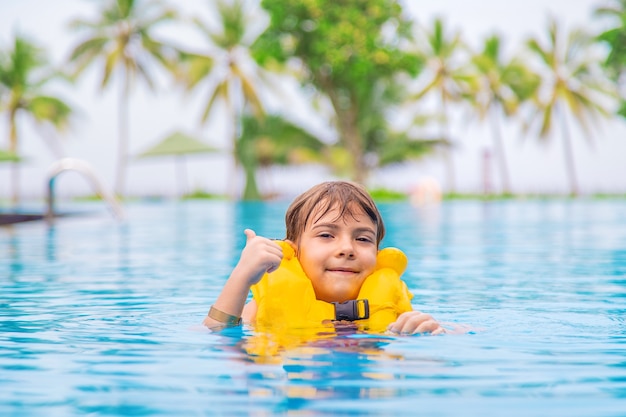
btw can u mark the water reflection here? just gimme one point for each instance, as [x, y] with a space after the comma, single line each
[297, 370]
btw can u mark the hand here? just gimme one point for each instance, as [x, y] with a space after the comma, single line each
[260, 255]
[414, 322]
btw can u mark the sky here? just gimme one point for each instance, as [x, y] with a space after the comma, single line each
[534, 167]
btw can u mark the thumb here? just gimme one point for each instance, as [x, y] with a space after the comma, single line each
[250, 234]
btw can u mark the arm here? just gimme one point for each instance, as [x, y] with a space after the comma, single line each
[413, 322]
[260, 255]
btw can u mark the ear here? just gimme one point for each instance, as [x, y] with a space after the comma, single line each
[293, 246]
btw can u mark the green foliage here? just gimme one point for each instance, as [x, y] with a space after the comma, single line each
[573, 84]
[273, 141]
[349, 51]
[386, 195]
[202, 195]
[50, 109]
[502, 83]
[622, 109]
[17, 65]
[24, 75]
[615, 38]
[485, 197]
[447, 78]
[120, 39]
[225, 56]
[572, 78]
[448, 75]
[400, 148]
[501, 87]
[344, 43]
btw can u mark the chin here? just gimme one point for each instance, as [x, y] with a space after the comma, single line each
[340, 297]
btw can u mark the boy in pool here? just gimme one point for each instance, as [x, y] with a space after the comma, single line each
[335, 230]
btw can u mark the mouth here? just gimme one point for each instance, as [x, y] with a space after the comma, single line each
[343, 271]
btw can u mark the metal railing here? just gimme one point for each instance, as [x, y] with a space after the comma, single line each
[83, 168]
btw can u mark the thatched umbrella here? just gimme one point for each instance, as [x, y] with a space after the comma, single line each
[178, 145]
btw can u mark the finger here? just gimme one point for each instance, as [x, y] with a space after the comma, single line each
[396, 326]
[278, 251]
[273, 267]
[427, 326]
[439, 330]
[250, 234]
[414, 322]
[402, 320]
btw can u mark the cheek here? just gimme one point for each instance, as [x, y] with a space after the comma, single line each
[312, 255]
[308, 261]
[370, 262]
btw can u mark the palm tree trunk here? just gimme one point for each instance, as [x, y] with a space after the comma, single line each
[347, 125]
[122, 146]
[450, 171]
[569, 155]
[355, 145]
[232, 178]
[500, 155]
[15, 168]
[251, 191]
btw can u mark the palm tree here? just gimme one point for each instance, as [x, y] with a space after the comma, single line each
[120, 40]
[271, 141]
[502, 86]
[385, 144]
[615, 38]
[572, 84]
[24, 74]
[227, 66]
[447, 78]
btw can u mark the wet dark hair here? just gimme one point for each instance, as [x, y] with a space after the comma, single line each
[350, 198]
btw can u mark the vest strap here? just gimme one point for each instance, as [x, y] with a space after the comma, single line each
[352, 310]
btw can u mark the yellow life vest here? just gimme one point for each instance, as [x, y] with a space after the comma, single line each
[286, 300]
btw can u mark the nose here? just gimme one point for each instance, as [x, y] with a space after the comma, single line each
[345, 247]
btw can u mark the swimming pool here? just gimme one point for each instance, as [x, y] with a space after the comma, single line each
[102, 318]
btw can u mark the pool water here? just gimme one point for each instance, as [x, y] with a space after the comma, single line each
[103, 318]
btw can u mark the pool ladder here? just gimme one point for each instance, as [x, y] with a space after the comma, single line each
[83, 168]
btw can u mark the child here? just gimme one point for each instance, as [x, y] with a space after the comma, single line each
[334, 230]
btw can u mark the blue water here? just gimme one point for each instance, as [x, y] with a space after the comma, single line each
[103, 318]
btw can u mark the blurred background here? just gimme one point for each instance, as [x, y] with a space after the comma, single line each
[256, 100]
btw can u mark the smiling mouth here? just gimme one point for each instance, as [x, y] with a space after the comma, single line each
[342, 271]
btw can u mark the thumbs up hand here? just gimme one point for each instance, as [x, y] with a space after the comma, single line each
[260, 255]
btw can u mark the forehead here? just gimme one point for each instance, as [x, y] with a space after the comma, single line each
[334, 213]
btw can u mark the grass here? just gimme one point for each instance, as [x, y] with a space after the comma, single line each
[387, 195]
[203, 195]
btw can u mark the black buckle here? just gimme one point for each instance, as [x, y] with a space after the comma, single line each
[352, 310]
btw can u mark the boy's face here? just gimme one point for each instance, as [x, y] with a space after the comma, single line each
[337, 254]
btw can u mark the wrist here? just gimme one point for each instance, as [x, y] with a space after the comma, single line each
[226, 319]
[245, 276]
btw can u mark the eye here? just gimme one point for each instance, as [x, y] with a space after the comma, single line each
[365, 239]
[325, 235]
